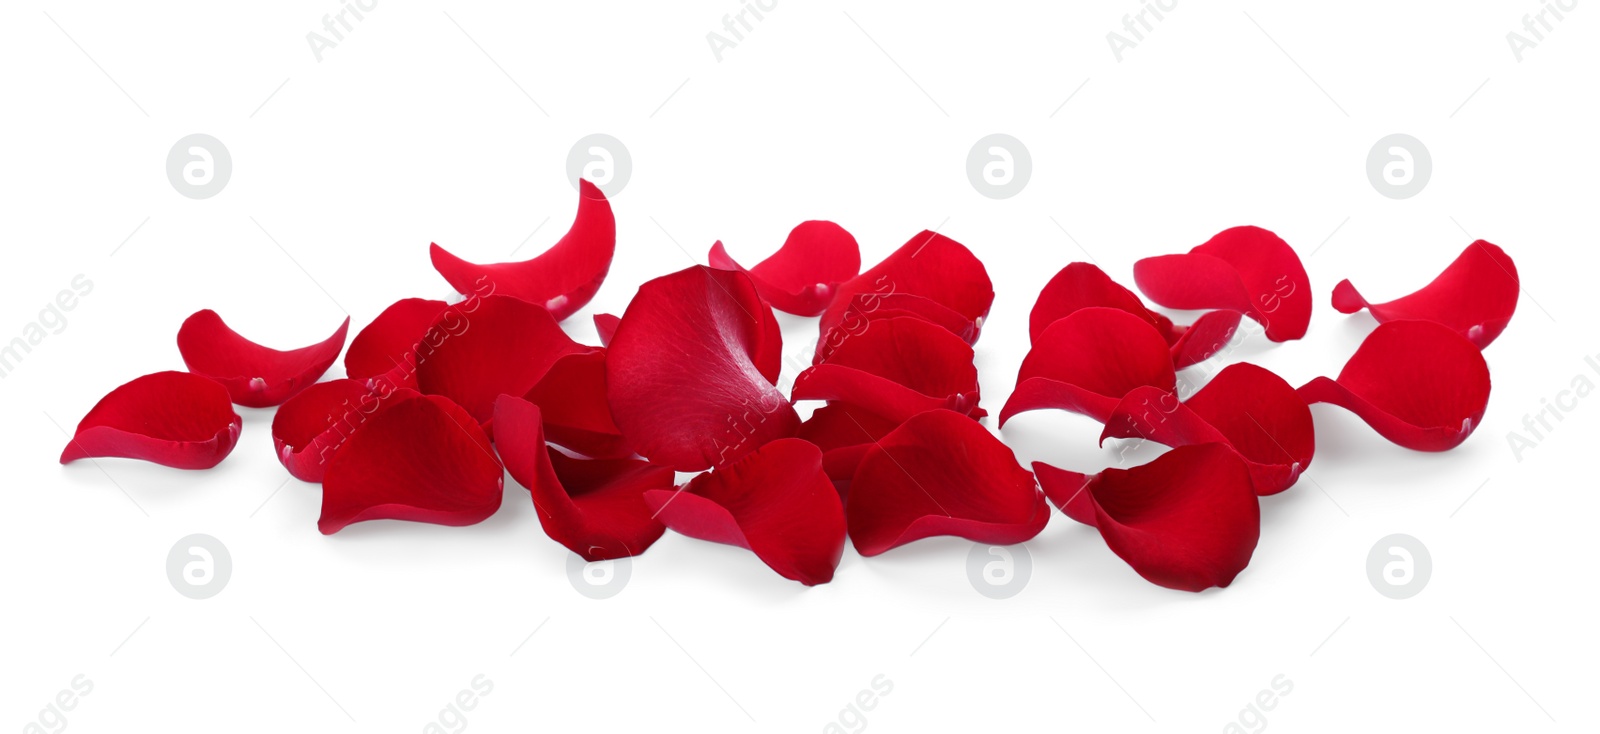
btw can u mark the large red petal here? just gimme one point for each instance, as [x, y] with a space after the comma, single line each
[802, 276]
[897, 368]
[867, 308]
[687, 373]
[387, 346]
[1244, 269]
[775, 501]
[1419, 384]
[572, 398]
[1188, 520]
[255, 376]
[1244, 406]
[929, 265]
[484, 347]
[175, 419]
[419, 458]
[313, 425]
[942, 473]
[1475, 295]
[1082, 285]
[1088, 361]
[593, 507]
[562, 278]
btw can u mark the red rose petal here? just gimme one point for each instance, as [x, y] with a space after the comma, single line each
[605, 325]
[593, 507]
[1083, 285]
[897, 368]
[313, 425]
[387, 346]
[1201, 340]
[687, 372]
[942, 473]
[867, 308]
[1476, 295]
[1088, 361]
[1244, 269]
[1188, 520]
[563, 278]
[419, 458]
[175, 419]
[1244, 406]
[844, 432]
[1419, 384]
[802, 276]
[572, 398]
[484, 347]
[255, 376]
[775, 501]
[929, 265]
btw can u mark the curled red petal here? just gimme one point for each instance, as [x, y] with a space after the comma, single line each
[929, 265]
[1083, 285]
[420, 458]
[387, 346]
[1188, 520]
[1244, 269]
[687, 372]
[572, 398]
[1476, 295]
[844, 432]
[593, 507]
[1419, 384]
[562, 278]
[897, 368]
[942, 473]
[1201, 340]
[313, 425]
[605, 325]
[483, 347]
[804, 274]
[175, 419]
[864, 309]
[255, 376]
[1088, 361]
[775, 501]
[1244, 406]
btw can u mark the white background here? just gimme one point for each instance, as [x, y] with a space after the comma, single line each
[422, 126]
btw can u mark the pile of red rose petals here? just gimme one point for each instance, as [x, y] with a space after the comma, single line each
[441, 400]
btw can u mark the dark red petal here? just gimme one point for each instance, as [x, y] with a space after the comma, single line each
[867, 308]
[312, 426]
[1244, 269]
[844, 432]
[175, 419]
[572, 398]
[775, 501]
[802, 276]
[942, 473]
[387, 346]
[484, 347]
[255, 376]
[419, 458]
[687, 370]
[1244, 406]
[897, 368]
[1475, 295]
[1204, 338]
[593, 507]
[1188, 520]
[1082, 285]
[1419, 384]
[605, 325]
[929, 265]
[561, 279]
[1088, 361]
